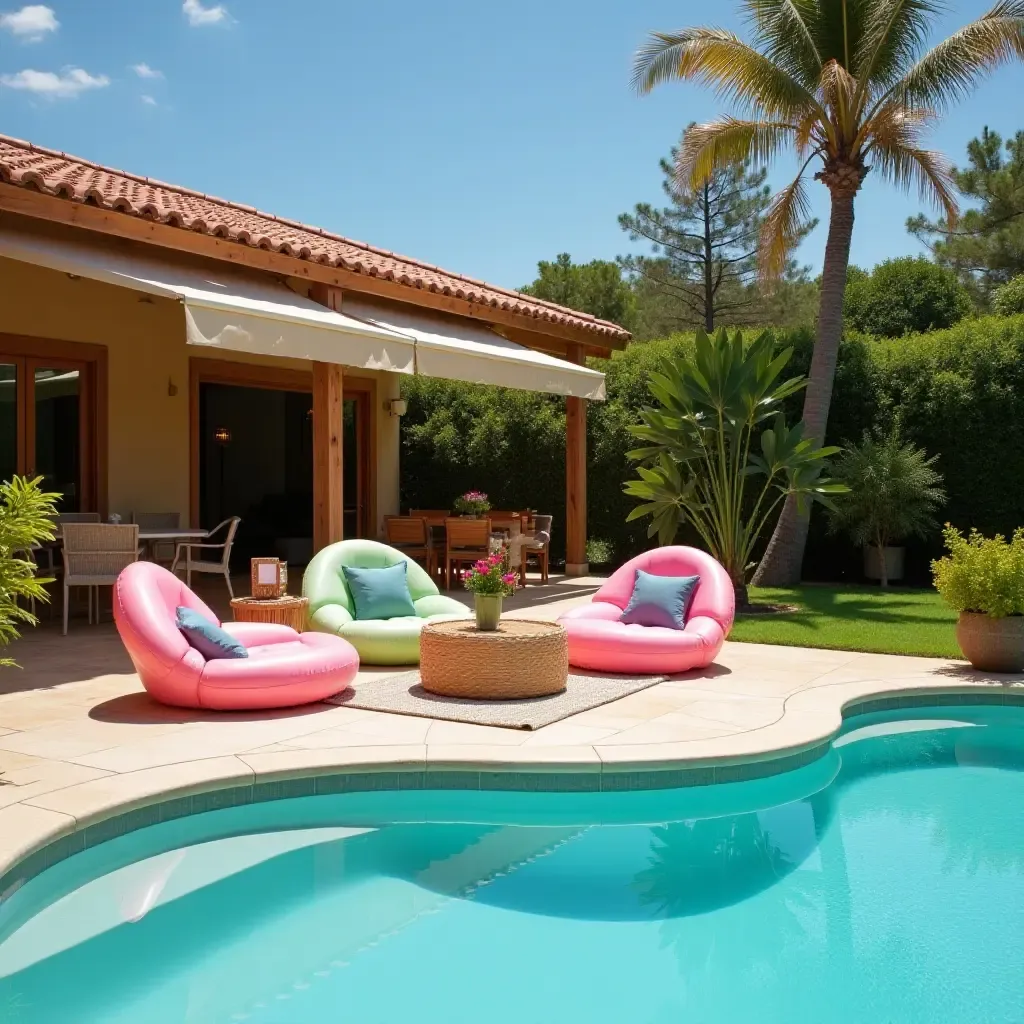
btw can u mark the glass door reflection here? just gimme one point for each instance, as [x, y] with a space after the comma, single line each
[58, 436]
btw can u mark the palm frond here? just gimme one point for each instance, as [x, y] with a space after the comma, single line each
[950, 70]
[931, 172]
[895, 32]
[780, 229]
[785, 32]
[720, 59]
[728, 141]
[838, 91]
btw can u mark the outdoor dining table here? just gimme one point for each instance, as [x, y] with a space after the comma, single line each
[149, 538]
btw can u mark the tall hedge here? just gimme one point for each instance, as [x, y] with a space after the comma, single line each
[960, 392]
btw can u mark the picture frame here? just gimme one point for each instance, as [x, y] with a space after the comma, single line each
[265, 578]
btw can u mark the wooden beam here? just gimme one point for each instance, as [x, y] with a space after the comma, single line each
[576, 480]
[16, 199]
[328, 503]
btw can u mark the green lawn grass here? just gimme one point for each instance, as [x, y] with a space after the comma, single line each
[894, 621]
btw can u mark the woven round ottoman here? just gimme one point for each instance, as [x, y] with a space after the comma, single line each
[521, 658]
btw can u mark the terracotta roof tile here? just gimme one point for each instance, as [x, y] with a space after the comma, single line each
[68, 177]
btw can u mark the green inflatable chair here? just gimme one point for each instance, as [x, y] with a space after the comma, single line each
[378, 641]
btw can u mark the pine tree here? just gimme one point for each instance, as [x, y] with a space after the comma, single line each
[986, 247]
[704, 246]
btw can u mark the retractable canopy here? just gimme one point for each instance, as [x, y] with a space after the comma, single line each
[464, 350]
[233, 309]
[226, 308]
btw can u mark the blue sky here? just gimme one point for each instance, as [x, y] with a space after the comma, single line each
[477, 136]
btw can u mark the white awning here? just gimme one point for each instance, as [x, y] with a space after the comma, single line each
[227, 308]
[463, 350]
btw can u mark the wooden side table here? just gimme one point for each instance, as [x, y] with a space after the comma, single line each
[521, 658]
[287, 611]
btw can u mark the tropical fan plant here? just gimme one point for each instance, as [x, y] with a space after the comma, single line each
[848, 85]
[718, 453]
[26, 518]
[894, 491]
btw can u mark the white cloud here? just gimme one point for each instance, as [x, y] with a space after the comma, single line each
[149, 101]
[31, 23]
[145, 71]
[64, 86]
[197, 14]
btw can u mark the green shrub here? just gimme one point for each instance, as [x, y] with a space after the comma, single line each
[1009, 299]
[904, 295]
[982, 574]
[959, 393]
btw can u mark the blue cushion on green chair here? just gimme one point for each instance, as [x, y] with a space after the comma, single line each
[380, 593]
[207, 637]
[660, 600]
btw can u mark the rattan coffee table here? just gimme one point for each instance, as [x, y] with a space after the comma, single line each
[521, 658]
[287, 611]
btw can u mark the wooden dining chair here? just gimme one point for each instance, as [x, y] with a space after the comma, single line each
[466, 540]
[506, 522]
[411, 536]
[539, 548]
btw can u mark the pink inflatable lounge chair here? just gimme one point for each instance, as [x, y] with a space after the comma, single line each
[284, 668]
[597, 640]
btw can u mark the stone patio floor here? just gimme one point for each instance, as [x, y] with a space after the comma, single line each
[81, 741]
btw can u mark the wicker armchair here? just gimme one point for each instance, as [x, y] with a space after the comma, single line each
[220, 566]
[94, 555]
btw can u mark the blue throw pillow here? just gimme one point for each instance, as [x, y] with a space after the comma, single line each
[380, 593]
[660, 600]
[207, 637]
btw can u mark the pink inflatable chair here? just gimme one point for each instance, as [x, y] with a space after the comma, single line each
[599, 641]
[283, 667]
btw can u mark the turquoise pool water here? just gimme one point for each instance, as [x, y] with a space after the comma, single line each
[884, 883]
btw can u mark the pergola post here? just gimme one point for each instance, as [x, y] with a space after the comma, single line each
[328, 503]
[576, 478]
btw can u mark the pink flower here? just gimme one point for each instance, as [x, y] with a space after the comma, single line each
[509, 579]
[493, 560]
[482, 567]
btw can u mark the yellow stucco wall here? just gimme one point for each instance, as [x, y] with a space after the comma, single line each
[148, 382]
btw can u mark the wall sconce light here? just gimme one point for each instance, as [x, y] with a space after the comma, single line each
[222, 435]
[398, 407]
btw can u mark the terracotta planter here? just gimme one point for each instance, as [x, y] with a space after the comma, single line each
[992, 645]
[488, 611]
[893, 563]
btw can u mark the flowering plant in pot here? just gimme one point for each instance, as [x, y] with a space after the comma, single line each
[983, 579]
[472, 503]
[489, 580]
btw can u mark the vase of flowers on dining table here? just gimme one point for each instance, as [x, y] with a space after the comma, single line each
[472, 504]
[490, 580]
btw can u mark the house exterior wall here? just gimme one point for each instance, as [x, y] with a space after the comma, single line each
[148, 415]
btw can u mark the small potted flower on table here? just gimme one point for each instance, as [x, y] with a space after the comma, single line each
[472, 504]
[489, 580]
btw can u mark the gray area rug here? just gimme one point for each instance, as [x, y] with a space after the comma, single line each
[402, 695]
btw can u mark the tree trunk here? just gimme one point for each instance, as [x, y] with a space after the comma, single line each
[783, 560]
[709, 287]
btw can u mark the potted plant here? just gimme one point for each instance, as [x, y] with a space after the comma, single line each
[26, 519]
[983, 579]
[472, 504]
[489, 580]
[893, 492]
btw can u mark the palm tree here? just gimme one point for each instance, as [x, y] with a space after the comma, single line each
[850, 86]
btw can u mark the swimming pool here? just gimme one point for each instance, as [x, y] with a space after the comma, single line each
[882, 882]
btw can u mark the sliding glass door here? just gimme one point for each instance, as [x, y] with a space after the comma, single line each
[46, 428]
